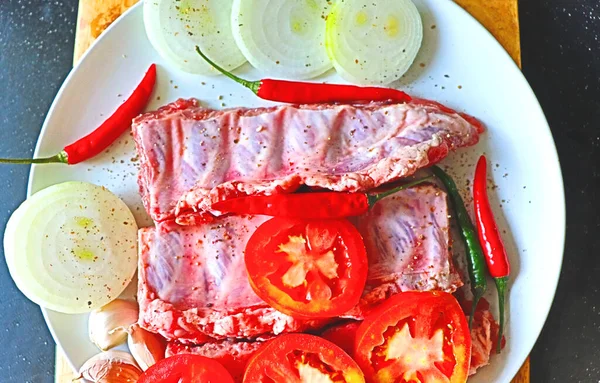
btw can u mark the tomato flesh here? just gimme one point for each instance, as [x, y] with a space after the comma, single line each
[186, 368]
[307, 269]
[415, 337]
[298, 358]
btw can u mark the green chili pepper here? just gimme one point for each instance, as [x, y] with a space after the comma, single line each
[475, 257]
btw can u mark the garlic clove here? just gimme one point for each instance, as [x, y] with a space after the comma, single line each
[145, 347]
[107, 326]
[110, 367]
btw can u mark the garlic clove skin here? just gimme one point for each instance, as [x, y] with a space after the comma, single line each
[110, 367]
[145, 347]
[107, 326]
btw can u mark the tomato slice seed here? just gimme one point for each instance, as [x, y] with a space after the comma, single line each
[318, 290]
[320, 237]
[311, 368]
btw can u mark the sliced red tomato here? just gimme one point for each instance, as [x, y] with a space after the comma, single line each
[298, 358]
[307, 269]
[415, 337]
[186, 368]
[343, 335]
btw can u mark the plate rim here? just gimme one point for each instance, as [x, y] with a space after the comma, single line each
[36, 151]
[559, 210]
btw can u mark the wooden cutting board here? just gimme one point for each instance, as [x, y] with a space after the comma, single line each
[500, 17]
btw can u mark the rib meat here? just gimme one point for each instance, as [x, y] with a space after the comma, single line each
[192, 156]
[193, 284]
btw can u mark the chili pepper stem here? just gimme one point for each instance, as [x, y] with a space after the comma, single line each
[60, 158]
[372, 199]
[501, 287]
[252, 85]
[477, 294]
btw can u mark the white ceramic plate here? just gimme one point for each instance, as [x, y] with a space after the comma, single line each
[462, 66]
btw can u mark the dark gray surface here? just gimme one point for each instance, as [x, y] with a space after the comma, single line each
[36, 49]
[561, 59]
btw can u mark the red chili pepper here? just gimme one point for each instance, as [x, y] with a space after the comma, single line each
[321, 205]
[295, 92]
[107, 133]
[490, 239]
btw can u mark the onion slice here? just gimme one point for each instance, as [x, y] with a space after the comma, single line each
[71, 247]
[176, 27]
[373, 42]
[283, 38]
